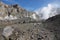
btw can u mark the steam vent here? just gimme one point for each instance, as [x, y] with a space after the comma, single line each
[16, 23]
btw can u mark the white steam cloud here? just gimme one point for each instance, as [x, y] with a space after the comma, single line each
[48, 11]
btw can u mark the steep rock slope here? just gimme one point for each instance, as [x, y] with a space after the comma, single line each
[15, 12]
[53, 24]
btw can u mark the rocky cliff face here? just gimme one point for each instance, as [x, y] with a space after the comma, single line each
[15, 12]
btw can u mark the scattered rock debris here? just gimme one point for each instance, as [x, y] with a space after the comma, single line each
[26, 32]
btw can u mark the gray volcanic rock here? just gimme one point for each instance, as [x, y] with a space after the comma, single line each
[53, 24]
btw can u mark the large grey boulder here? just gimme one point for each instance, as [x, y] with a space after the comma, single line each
[7, 31]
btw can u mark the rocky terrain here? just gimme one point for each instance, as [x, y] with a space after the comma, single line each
[25, 31]
[53, 24]
[17, 23]
[11, 12]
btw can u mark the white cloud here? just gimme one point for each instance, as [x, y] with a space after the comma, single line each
[48, 11]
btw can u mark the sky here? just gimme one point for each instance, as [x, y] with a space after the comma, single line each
[30, 5]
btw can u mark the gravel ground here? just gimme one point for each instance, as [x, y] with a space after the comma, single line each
[26, 31]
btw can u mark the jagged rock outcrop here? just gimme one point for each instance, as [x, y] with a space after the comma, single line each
[15, 12]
